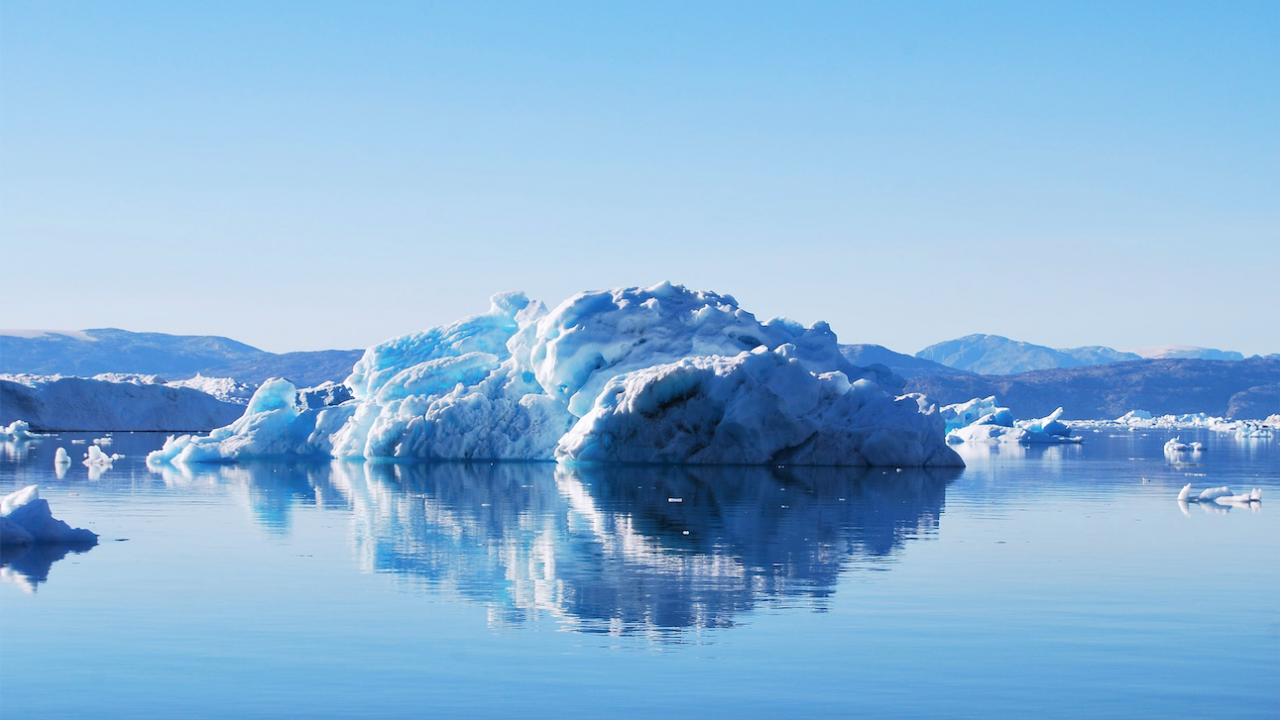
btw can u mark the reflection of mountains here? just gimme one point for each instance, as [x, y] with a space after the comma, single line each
[609, 548]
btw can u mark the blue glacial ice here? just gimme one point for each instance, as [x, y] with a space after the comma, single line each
[659, 374]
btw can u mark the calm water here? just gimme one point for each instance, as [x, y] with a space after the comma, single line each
[1049, 582]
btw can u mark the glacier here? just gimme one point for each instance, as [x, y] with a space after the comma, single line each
[661, 374]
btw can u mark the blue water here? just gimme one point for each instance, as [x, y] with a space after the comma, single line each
[1042, 582]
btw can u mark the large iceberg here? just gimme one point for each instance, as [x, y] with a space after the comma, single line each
[660, 374]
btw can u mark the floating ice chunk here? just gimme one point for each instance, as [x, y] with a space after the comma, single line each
[982, 421]
[26, 510]
[1220, 495]
[1049, 425]
[1214, 493]
[1133, 417]
[103, 441]
[1175, 445]
[61, 457]
[16, 431]
[1241, 499]
[96, 458]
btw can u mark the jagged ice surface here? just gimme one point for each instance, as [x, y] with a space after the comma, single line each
[660, 374]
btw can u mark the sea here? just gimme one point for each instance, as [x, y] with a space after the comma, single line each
[1061, 581]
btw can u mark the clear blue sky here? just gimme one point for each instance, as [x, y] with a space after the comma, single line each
[312, 175]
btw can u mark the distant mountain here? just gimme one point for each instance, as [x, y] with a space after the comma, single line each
[1186, 352]
[108, 350]
[996, 355]
[1245, 389]
[905, 365]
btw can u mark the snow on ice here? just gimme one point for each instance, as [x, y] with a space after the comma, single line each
[660, 374]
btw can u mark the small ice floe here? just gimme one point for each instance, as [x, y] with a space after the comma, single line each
[103, 441]
[96, 458]
[1176, 446]
[61, 457]
[996, 425]
[16, 431]
[1220, 496]
[25, 519]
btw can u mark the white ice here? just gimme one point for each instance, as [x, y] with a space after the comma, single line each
[984, 411]
[16, 431]
[25, 519]
[513, 382]
[96, 458]
[983, 421]
[1220, 495]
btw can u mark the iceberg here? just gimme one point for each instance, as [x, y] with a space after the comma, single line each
[981, 420]
[582, 382]
[16, 431]
[1220, 495]
[96, 458]
[1175, 446]
[25, 519]
[977, 410]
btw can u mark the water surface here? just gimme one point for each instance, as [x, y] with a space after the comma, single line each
[1048, 582]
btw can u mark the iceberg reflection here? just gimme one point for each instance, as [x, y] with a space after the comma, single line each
[632, 550]
[28, 565]
[606, 548]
